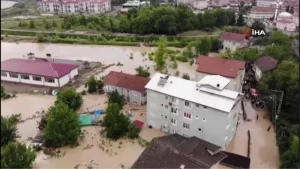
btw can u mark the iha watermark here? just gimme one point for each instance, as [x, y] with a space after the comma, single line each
[253, 32]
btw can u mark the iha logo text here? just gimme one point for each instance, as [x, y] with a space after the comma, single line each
[253, 32]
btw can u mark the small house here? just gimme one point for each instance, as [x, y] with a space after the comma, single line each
[132, 87]
[264, 64]
[233, 41]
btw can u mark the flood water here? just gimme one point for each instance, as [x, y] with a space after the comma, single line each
[264, 152]
[7, 4]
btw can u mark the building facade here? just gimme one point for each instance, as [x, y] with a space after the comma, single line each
[74, 6]
[38, 72]
[130, 86]
[192, 111]
[260, 12]
[233, 41]
[266, 3]
[233, 70]
[264, 64]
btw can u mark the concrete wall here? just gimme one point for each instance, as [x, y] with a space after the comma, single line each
[32, 80]
[131, 96]
[205, 123]
[235, 84]
[73, 73]
[232, 45]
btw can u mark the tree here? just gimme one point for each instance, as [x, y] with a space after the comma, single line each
[8, 130]
[62, 127]
[258, 25]
[17, 155]
[159, 54]
[227, 54]
[31, 24]
[240, 20]
[71, 98]
[54, 24]
[186, 76]
[203, 46]
[116, 123]
[115, 97]
[94, 85]
[280, 38]
[47, 25]
[143, 72]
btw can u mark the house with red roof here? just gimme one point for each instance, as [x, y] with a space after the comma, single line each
[233, 41]
[38, 72]
[132, 87]
[233, 70]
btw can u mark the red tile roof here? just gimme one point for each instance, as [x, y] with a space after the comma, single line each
[262, 9]
[219, 66]
[127, 81]
[230, 36]
[37, 67]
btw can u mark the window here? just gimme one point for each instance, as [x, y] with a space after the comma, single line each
[199, 129]
[187, 115]
[49, 80]
[204, 119]
[13, 75]
[145, 94]
[174, 100]
[4, 74]
[25, 77]
[134, 93]
[197, 105]
[174, 110]
[186, 126]
[205, 107]
[187, 104]
[173, 121]
[37, 78]
[196, 117]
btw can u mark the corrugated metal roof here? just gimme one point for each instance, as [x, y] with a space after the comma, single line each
[187, 90]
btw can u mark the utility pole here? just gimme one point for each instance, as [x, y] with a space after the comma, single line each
[277, 97]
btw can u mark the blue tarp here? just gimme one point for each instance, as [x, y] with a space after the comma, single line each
[98, 112]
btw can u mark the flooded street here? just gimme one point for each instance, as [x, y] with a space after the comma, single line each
[95, 150]
[264, 152]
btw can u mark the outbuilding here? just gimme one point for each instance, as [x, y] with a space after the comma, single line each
[38, 72]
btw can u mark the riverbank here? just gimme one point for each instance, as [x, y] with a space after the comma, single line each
[94, 39]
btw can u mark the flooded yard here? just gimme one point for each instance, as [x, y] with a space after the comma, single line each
[97, 151]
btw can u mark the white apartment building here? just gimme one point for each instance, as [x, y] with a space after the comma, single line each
[202, 109]
[196, 4]
[74, 6]
[266, 3]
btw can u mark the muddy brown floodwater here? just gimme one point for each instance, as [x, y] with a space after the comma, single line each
[95, 150]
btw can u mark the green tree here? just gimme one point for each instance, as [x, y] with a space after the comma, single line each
[203, 46]
[31, 24]
[258, 25]
[17, 155]
[92, 84]
[8, 130]
[143, 72]
[47, 25]
[54, 24]
[159, 55]
[62, 127]
[71, 98]
[280, 38]
[115, 97]
[240, 20]
[116, 123]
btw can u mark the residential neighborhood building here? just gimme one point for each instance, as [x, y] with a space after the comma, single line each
[233, 41]
[38, 72]
[266, 3]
[188, 108]
[176, 151]
[195, 4]
[74, 6]
[233, 70]
[261, 12]
[287, 22]
[133, 4]
[132, 87]
[264, 64]
[224, 4]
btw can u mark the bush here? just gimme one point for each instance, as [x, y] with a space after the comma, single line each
[71, 98]
[182, 58]
[83, 92]
[115, 97]
[133, 131]
[8, 130]
[186, 76]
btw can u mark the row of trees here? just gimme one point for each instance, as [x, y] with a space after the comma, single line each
[154, 20]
